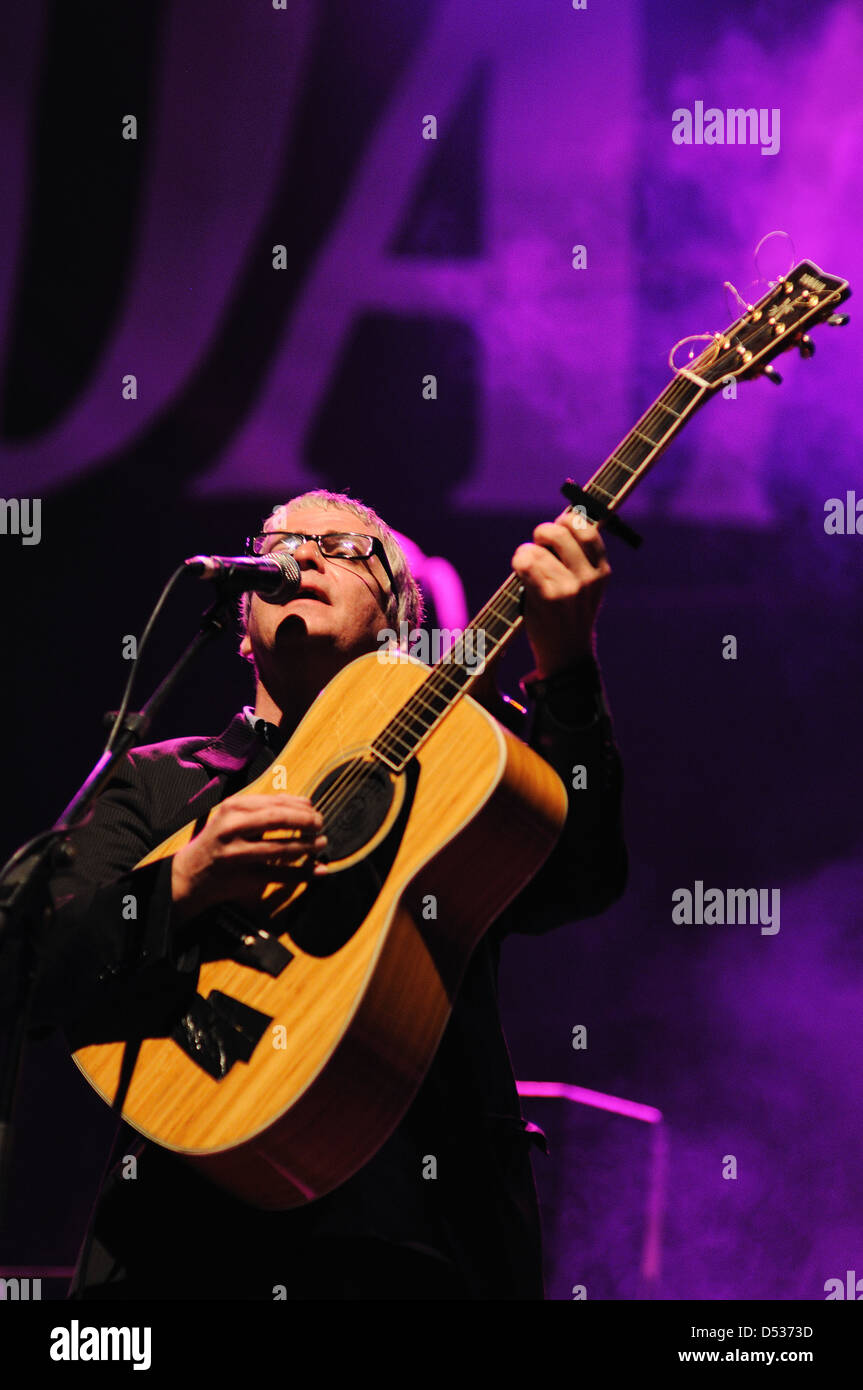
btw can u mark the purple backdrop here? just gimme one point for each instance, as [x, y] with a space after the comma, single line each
[302, 128]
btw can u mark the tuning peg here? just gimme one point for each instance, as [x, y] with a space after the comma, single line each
[806, 345]
[772, 375]
[838, 320]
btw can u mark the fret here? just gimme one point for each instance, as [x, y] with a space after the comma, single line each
[422, 707]
[613, 481]
[642, 447]
[405, 734]
[620, 464]
[386, 748]
[647, 439]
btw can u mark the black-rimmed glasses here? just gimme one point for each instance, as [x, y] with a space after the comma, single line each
[335, 545]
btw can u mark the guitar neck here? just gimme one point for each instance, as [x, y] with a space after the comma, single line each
[501, 616]
[629, 462]
[807, 296]
[610, 484]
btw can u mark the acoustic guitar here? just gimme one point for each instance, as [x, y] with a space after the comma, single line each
[316, 1021]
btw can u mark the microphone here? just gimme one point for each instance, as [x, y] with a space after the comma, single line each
[275, 577]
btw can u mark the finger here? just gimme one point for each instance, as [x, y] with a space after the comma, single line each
[583, 528]
[266, 854]
[577, 520]
[543, 573]
[570, 541]
[253, 824]
[550, 547]
[584, 558]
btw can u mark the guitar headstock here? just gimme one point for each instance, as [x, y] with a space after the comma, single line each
[779, 321]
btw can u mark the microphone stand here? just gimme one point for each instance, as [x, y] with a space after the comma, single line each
[26, 910]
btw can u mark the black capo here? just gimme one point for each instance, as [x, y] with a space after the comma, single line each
[597, 511]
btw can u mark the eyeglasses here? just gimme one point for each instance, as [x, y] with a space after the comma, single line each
[335, 545]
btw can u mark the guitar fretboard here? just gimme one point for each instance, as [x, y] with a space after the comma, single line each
[496, 622]
[806, 296]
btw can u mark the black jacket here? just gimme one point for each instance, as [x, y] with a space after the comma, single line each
[171, 1232]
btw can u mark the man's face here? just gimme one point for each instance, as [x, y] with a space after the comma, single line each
[338, 611]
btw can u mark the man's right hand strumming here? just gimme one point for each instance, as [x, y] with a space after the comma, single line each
[229, 861]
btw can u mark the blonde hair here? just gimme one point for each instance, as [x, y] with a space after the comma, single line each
[404, 604]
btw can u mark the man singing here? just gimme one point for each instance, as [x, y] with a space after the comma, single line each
[162, 1230]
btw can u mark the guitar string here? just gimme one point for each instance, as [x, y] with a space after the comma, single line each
[400, 739]
[613, 464]
[680, 391]
[491, 609]
[338, 793]
[401, 729]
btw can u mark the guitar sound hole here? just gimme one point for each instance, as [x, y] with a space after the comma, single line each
[354, 800]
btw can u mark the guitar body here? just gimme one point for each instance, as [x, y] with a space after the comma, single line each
[284, 1079]
[421, 863]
